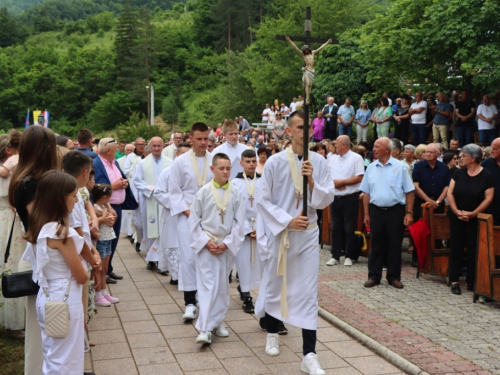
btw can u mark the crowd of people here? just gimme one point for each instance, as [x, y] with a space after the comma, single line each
[210, 199]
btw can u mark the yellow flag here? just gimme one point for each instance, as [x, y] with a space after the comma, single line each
[35, 117]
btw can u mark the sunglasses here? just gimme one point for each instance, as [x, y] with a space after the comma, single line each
[107, 143]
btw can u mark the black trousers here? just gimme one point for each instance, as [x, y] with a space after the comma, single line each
[190, 298]
[308, 335]
[462, 235]
[330, 129]
[387, 231]
[344, 215]
[117, 227]
[402, 132]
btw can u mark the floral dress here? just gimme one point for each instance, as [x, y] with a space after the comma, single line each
[12, 310]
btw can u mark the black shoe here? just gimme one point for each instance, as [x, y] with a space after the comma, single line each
[248, 306]
[455, 289]
[174, 282]
[241, 294]
[89, 373]
[109, 280]
[163, 273]
[230, 277]
[414, 263]
[137, 247]
[282, 329]
[115, 276]
[262, 323]
[151, 266]
[131, 239]
[470, 287]
[237, 276]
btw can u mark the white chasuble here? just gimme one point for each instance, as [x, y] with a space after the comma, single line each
[277, 205]
[234, 153]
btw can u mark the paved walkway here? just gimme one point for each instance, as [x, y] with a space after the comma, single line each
[144, 334]
[424, 322]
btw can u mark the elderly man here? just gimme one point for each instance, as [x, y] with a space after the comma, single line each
[133, 158]
[431, 178]
[487, 115]
[454, 147]
[330, 115]
[107, 171]
[442, 112]
[388, 206]
[346, 116]
[146, 175]
[244, 125]
[347, 171]
[129, 148]
[492, 165]
[169, 151]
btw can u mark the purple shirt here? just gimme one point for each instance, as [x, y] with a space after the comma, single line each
[318, 125]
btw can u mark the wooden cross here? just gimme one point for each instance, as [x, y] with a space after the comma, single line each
[251, 198]
[308, 40]
[221, 214]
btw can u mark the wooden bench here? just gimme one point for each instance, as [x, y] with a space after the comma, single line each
[487, 275]
[437, 260]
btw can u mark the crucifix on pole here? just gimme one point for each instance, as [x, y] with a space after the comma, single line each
[307, 79]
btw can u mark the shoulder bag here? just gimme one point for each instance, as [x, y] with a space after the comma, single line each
[57, 315]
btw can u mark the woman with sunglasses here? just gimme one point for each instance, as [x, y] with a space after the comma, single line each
[279, 126]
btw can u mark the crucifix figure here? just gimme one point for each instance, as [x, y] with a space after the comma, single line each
[307, 78]
[222, 213]
[251, 198]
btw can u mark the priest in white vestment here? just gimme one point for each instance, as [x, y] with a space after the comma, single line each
[126, 214]
[170, 150]
[188, 174]
[232, 147]
[217, 233]
[169, 241]
[145, 178]
[290, 280]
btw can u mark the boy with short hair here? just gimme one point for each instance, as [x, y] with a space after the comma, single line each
[232, 148]
[217, 233]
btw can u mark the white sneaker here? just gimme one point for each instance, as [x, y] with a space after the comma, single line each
[221, 331]
[204, 337]
[347, 262]
[310, 365]
[272, 344]
[190, 313]
[332, 262]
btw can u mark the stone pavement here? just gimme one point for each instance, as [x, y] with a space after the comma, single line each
[424, 323]
[144, 334]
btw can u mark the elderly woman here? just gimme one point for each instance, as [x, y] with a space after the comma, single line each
[420, 152]
[262, 156]
[470, 193]
[383, 118]
[362, 120]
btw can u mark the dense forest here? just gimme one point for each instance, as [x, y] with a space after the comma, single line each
[89, 61]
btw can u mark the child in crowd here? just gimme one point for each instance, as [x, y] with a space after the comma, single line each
[58, 269]
[217, 224]
[102, 194]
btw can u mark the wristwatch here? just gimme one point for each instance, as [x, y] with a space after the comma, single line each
[438, 202]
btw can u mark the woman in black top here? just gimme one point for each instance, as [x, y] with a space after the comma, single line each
[402, 117]
[470, 193]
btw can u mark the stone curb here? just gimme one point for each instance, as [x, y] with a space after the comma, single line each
[379, 349]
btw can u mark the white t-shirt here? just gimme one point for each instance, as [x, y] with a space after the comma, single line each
[293, 107]
[419, 118]
[284, 110]
[488, 112]
[266, 114]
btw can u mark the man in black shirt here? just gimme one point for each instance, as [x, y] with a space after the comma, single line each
[492, 165]
[465, 111]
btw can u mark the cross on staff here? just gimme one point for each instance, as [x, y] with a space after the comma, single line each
[308, 40]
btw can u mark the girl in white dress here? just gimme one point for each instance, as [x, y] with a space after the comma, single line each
[53, 250]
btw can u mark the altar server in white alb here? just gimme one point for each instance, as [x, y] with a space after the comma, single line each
[188, 174]
[217, 233]
[290, 280]
[232, 147]
[169, 242]
[146, 175]
[247, 260]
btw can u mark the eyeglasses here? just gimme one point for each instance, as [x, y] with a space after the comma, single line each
[140, 144]
[107, 143]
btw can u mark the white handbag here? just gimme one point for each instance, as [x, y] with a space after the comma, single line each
[57, 315]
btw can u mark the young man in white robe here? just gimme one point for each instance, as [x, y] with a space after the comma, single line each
[247, 260]
[217, 222]
[232, 147]
[290, 279]
[145, 178]
[169, 241]
[188, 174]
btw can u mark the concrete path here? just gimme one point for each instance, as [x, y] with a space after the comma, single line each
[144, 334]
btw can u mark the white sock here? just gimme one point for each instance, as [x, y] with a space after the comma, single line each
[103, 292]
[97, 294]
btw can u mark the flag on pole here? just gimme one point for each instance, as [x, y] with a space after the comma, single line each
[36, 115]
[46, 118]
[27, 122]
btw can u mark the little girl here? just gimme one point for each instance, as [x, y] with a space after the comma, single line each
[53, 251]
[102, 194]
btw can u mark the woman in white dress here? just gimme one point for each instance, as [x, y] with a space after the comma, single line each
[53, 251]
[12, 310]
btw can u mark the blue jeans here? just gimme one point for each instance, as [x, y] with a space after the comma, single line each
[345, 130]
[464, 134]
[486, 136]
[418, 134]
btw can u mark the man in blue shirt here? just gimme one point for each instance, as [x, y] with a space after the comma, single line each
[388, 205]
[431, 178]
[346, 116]
[85, 141]
[441, 112]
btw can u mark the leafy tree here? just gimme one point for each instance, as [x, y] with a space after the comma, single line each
[170, 110]
[113, 108]
[137, 126]
[11, 31]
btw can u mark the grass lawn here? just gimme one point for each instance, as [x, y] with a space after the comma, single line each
[11, 354]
